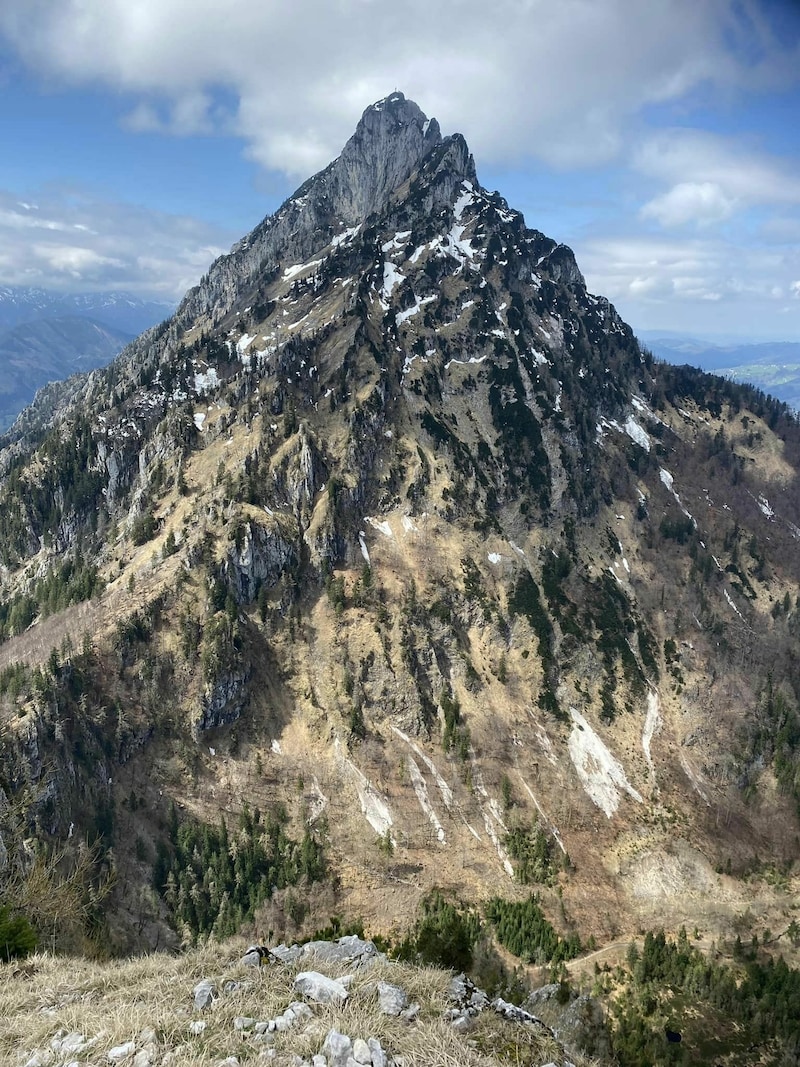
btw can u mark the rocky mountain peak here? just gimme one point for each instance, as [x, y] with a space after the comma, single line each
[390, 142]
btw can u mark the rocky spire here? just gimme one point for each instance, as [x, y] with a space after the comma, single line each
[391, 140]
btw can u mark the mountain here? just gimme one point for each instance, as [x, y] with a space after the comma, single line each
[773, 366]
[35, 353]
[47, 336]
[119, 311]
[388, 564]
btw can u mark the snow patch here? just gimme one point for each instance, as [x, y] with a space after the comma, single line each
[765, 508]
[494, 557]
[398, 241]
[444, 788]
[344, 238]
[467, 197]
[391, 278]
[601, 774]
[205, 380]
[421, 789]
[199, 419]
[637, 433]
[404, 316]
[652, 724]
[464, 362]
[374, 806]
[363, 546]
[730, 601]
[298, 268]
[381, 526]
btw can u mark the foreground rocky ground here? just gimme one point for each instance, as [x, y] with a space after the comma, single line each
[327, 1004]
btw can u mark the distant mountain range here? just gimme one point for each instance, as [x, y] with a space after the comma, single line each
[47, 336]
[773, 366]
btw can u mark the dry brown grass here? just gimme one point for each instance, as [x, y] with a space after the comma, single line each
[115, 1002]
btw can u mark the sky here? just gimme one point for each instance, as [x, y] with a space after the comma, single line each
[660, 139]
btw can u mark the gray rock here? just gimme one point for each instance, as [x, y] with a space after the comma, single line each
[205, 993]
[197, 1028]
[243, 1022]
[513, 1013]
[142, 1059]
[392, 999]
[121, 1052]
[379, 1057]
[466, 996]
[319, 988]
[346, 950]
[337, 1049]
[361, 1052]
[72, 1042]
[410, 1013]
[287, 953]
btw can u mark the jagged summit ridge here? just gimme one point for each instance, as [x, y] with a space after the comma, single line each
[393, 141]
[390, 142]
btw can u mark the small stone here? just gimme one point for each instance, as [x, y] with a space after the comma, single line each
[262, 1027]
[142, 1059]
[231, 986]
[73, 1042]
[146, 1037]
[318, 1061]
[286, 954]
[319, 988]
[392, 999]
[231, 1061]
[243, 1022]
[462, 1024]
[337, 1049]
[121, 1052]
[361, 1052]
[379, 1057]
[197, 1028]
[39, 1059]
[411, 1012]
[254, 956]
[205, 993]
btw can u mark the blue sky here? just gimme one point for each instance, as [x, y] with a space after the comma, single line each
[140, 138]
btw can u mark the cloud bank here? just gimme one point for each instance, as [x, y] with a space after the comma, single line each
[564, 83]
[67, 240]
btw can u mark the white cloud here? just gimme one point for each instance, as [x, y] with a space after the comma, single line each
[701, 282]
[69, 240]
[702, 203]
[563, 81]
[711, 177]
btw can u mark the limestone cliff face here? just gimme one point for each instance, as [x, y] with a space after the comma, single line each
[398, 519]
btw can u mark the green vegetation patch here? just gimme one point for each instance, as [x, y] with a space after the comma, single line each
[522, 928]
[212, 879]
[739, 1015]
